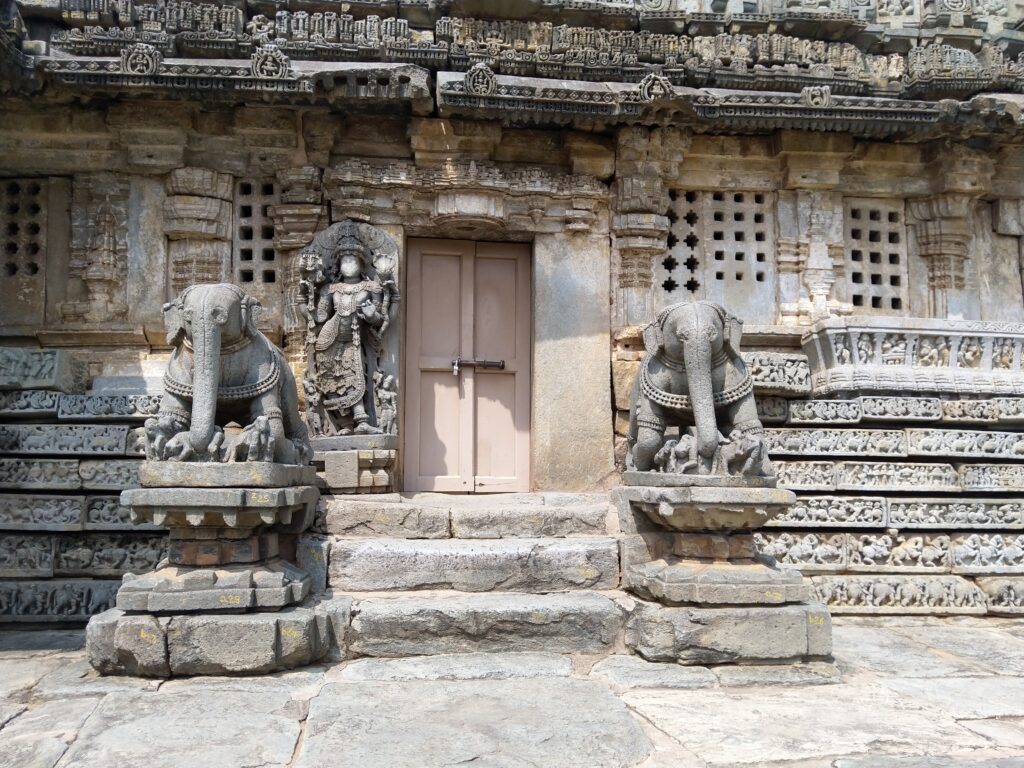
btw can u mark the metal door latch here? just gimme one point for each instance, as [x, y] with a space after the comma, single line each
[458, 363]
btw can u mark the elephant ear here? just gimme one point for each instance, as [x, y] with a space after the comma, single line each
[174, 321]
[251, 310]
[733, 331]
[654, 338]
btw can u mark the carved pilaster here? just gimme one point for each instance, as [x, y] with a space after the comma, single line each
[297, 218]
[197, 223]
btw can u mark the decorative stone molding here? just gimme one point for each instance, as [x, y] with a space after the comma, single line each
[833, 512]
[899, 594]
[79, 440]
[836, 442]
[915, 355]
[957, 512]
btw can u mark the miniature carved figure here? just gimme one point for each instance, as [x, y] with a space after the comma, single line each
[693, 376]
[224, 370]
[348, 284]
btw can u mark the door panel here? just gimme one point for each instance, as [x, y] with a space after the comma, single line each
[469, 432]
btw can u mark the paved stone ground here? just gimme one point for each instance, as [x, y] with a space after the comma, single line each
[904, 693]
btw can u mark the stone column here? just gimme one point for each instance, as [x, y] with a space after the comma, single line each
[197, 223]
[810, 223]
[297, 218]
[572, 424]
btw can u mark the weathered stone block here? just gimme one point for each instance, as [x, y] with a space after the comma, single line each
[245, 474]
[345, 515]
[312, 554]
[99, 641]
[140, 642]
[526, 565]
[341, 469]
[516, 522]
[220, 644]
[623, 375]
[573, 622]
[334, 615]
[53, 369]
[729, 635]
[194, 216]
[200, 181]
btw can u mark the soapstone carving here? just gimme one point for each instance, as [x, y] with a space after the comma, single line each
[224, 370]
[693, 379]
[349, 299]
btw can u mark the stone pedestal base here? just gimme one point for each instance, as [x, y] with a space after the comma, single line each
[357, 463]
[122, 643]
[730, 635]
[182, 589]
[691, 549]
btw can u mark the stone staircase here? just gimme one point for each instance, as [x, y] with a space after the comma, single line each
[431, 573]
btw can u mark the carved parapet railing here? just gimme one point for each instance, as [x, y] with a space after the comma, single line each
[878, 354]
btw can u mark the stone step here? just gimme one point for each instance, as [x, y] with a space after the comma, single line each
[435, 516]
[453, 622]
[522, 565]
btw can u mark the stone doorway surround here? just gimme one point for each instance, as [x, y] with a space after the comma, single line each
[566, 217]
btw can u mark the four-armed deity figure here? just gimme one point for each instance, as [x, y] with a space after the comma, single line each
[349, 292]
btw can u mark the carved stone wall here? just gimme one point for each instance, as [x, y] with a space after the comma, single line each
[65, 539]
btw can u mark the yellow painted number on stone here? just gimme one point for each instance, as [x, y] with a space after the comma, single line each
[147, 636]
[229, 600]
[773, 594]
[290, 632]
[259, 498]
[816, 619]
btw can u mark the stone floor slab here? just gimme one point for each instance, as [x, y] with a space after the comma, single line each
[998, 651]
[74, 677]
[965, 697]
[18, 675]
[9, 711]
[627, 672]
[40, 736]
[218, 729]
[755, 726]
[1003, 732]
[811, 673]
[457, 666]
[887, 652]
[494, 723]
[26, 643]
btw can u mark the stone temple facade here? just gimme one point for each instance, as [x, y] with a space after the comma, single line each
[517, 188]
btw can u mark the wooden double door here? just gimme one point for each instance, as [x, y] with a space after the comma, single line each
[467, 362]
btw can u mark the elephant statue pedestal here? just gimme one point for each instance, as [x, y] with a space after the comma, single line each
[698, 483]
[708, 596]
[228, 473]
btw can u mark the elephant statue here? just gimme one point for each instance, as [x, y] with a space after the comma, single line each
[693, 378]
[224, 370]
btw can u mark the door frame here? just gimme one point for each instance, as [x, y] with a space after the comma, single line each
[524, 452]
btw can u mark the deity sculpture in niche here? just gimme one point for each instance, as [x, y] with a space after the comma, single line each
[349, 296]
[693, 379]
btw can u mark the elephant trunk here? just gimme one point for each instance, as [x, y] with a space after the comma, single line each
[697, 356]
[205, 379]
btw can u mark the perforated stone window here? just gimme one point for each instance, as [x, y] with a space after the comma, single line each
[256, 265]
[23, 220]
[876, 255]
[721, 247]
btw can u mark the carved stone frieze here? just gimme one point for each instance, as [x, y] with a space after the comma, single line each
[778, 373]
[893, 476]
[965, 443]
[833, 512]
[899, 552]
[899, 594]
[30, 403]
[27, 512]
[1005, 595]
[806, 475]
[836, 442]
[993, 553]
[809, 552]
[41, 474]
[53, 369]
[895, 355]
[59, 600]
[107, 513]
[109, 474]
[824, 412]
[884, 408]
[956, 513]
[970, 411]
[992, 477]
[93, 407]
[25, 555]
[772, 410]
[107, 554]
[76, 439]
